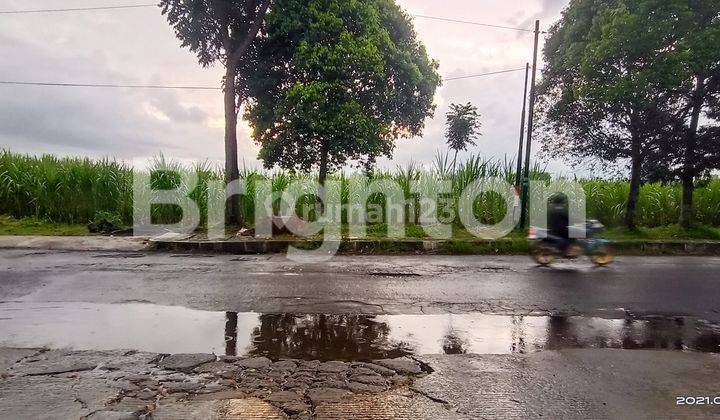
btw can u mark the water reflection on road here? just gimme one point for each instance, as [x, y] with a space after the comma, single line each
[168, 329]
[356, 336]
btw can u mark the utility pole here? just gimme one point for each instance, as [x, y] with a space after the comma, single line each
[518, 173]
[528, 147]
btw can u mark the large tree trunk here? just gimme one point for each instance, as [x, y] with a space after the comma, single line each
[322, 176]
[232, 171]
[635, 182]
[689, 164]
[688, 189]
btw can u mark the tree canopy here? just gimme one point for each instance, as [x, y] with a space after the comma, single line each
[618, 82]
[337, 81]
[215, 30]
[462, 127]
[598, 89]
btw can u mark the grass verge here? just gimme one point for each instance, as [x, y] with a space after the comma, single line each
[463, 242]
[665, 233]
[10, 226]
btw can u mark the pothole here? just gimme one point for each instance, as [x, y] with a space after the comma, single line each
[393, 274]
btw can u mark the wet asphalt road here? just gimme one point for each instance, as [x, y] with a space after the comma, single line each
[485, 383]
[367, 284]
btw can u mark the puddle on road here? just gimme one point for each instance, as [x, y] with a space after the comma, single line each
[169, 329]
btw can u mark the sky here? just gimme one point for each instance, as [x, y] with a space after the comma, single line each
[137, 46]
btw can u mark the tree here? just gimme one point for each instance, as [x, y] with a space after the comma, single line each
[607, 90]
[462, 127]
[338, 81]
[221, 31]
[700, 49]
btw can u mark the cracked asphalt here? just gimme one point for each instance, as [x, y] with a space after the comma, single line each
[560, 383]
[566, 384]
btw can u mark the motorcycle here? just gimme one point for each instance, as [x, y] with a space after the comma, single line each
[547, 248]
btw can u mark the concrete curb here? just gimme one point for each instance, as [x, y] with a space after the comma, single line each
[75, 243]
[384, 246]
[668, 247]
[280, 246]
[348, 246]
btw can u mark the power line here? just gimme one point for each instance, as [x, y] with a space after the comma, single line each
[180, 87]
[137, 6]
[481, 74]
[466, 22]
[95, 85]
[77, 9]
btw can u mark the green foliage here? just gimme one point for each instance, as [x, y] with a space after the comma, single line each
[658, 204]
[462, 126]
[213, 30]
[31, 226]
[665, 233]
[707, 203]
[623, 61]
[605, 93]
[608, 200]
[79, 191]
[69, 190]
[338, 81]
[626, 81]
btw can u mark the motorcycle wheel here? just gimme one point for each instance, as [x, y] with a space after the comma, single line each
[543, 256]
[603, 257]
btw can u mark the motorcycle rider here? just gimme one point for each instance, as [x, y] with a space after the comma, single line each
[559, 221]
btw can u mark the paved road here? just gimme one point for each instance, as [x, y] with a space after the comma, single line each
[546, 384]
[367, 284]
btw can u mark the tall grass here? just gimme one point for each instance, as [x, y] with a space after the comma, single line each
[74, 190]
[66, 190]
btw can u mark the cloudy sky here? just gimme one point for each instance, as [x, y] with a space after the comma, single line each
[136, 46]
